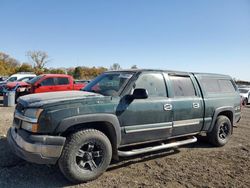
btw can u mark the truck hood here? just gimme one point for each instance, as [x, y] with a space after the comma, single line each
[40, 99]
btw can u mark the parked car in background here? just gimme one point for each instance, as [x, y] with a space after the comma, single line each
[245, 94]
[18, 78]
[20, 82]
[46, 83]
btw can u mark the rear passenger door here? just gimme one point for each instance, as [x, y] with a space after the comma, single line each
[187, 104]
[62, 84]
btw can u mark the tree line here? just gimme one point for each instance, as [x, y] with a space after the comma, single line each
[38, 61]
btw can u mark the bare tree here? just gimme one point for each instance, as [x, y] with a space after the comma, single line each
[9, 60]
[115, 66]
[38, 58]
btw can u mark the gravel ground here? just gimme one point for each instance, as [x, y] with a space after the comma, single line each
[196, 165]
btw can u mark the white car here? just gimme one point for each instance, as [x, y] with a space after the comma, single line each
[18, 76]
[245, 94]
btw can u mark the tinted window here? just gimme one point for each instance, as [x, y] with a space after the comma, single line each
[183, 86]
[153, 83]
[210, 85]
[47, 82]
[12, 79]
[217, 85]
[62, 81]
[226, 86]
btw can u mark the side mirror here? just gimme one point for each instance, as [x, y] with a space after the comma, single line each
[140, 93]
[38, 85]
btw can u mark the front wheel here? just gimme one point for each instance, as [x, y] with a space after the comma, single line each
[86, 155]
[221, 132]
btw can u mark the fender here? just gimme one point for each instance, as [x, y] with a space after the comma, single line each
[88, 118]
[217, 112]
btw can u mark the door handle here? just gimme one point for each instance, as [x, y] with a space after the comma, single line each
[167, 107]
[196, 105]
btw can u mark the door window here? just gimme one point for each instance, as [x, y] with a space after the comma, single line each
[62, 81]
[153, 83]
[47, 82]
[183, 86]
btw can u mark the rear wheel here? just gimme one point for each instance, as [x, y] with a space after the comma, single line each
[221, 132]
[86, 155]
[245, 101]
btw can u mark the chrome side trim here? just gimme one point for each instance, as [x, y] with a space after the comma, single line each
[186, 122]
[39, 148]
[156, 148]
[25, 118]
[148, 127]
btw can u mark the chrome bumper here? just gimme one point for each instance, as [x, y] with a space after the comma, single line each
[41, 149]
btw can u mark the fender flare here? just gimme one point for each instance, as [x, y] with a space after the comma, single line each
[217, 112]
[89, 118]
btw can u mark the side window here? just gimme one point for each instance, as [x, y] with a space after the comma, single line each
[12, 79]
[153, 83]
[25, 79]
[226, 86]
[217, 85]
[62, 81]
[210, 85]
[183, 86]
[48, 82]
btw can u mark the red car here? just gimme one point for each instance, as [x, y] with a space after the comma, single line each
[46, 83]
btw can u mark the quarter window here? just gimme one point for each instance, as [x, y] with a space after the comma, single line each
[183, 86]
[226, 86]
[217, 85]
[153, 83]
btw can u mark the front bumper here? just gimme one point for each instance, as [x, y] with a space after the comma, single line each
[40, 149]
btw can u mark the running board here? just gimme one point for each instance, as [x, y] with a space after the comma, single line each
[156, 148]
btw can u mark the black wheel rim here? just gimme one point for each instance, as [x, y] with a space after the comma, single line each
[90, 156]
[224, 131]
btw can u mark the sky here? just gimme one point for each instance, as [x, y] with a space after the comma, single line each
[185, 35]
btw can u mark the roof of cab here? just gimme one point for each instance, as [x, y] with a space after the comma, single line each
[172, 72]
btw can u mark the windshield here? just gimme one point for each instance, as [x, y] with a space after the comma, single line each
[25, 79]
[35, 79]
[108, 84]
[243, 90]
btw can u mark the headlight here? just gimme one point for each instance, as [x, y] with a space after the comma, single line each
[32, 127]
[31, 119]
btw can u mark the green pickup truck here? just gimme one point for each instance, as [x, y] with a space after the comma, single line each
[121, 114]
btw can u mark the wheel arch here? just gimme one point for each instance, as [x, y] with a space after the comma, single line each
[106, 123]
[226, 111]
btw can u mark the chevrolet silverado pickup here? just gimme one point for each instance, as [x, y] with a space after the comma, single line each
[121, 114]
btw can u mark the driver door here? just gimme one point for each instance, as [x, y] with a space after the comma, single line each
[146, 119]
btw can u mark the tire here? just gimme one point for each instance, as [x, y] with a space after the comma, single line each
[221, 132]
[245, 101]
[86, 155]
